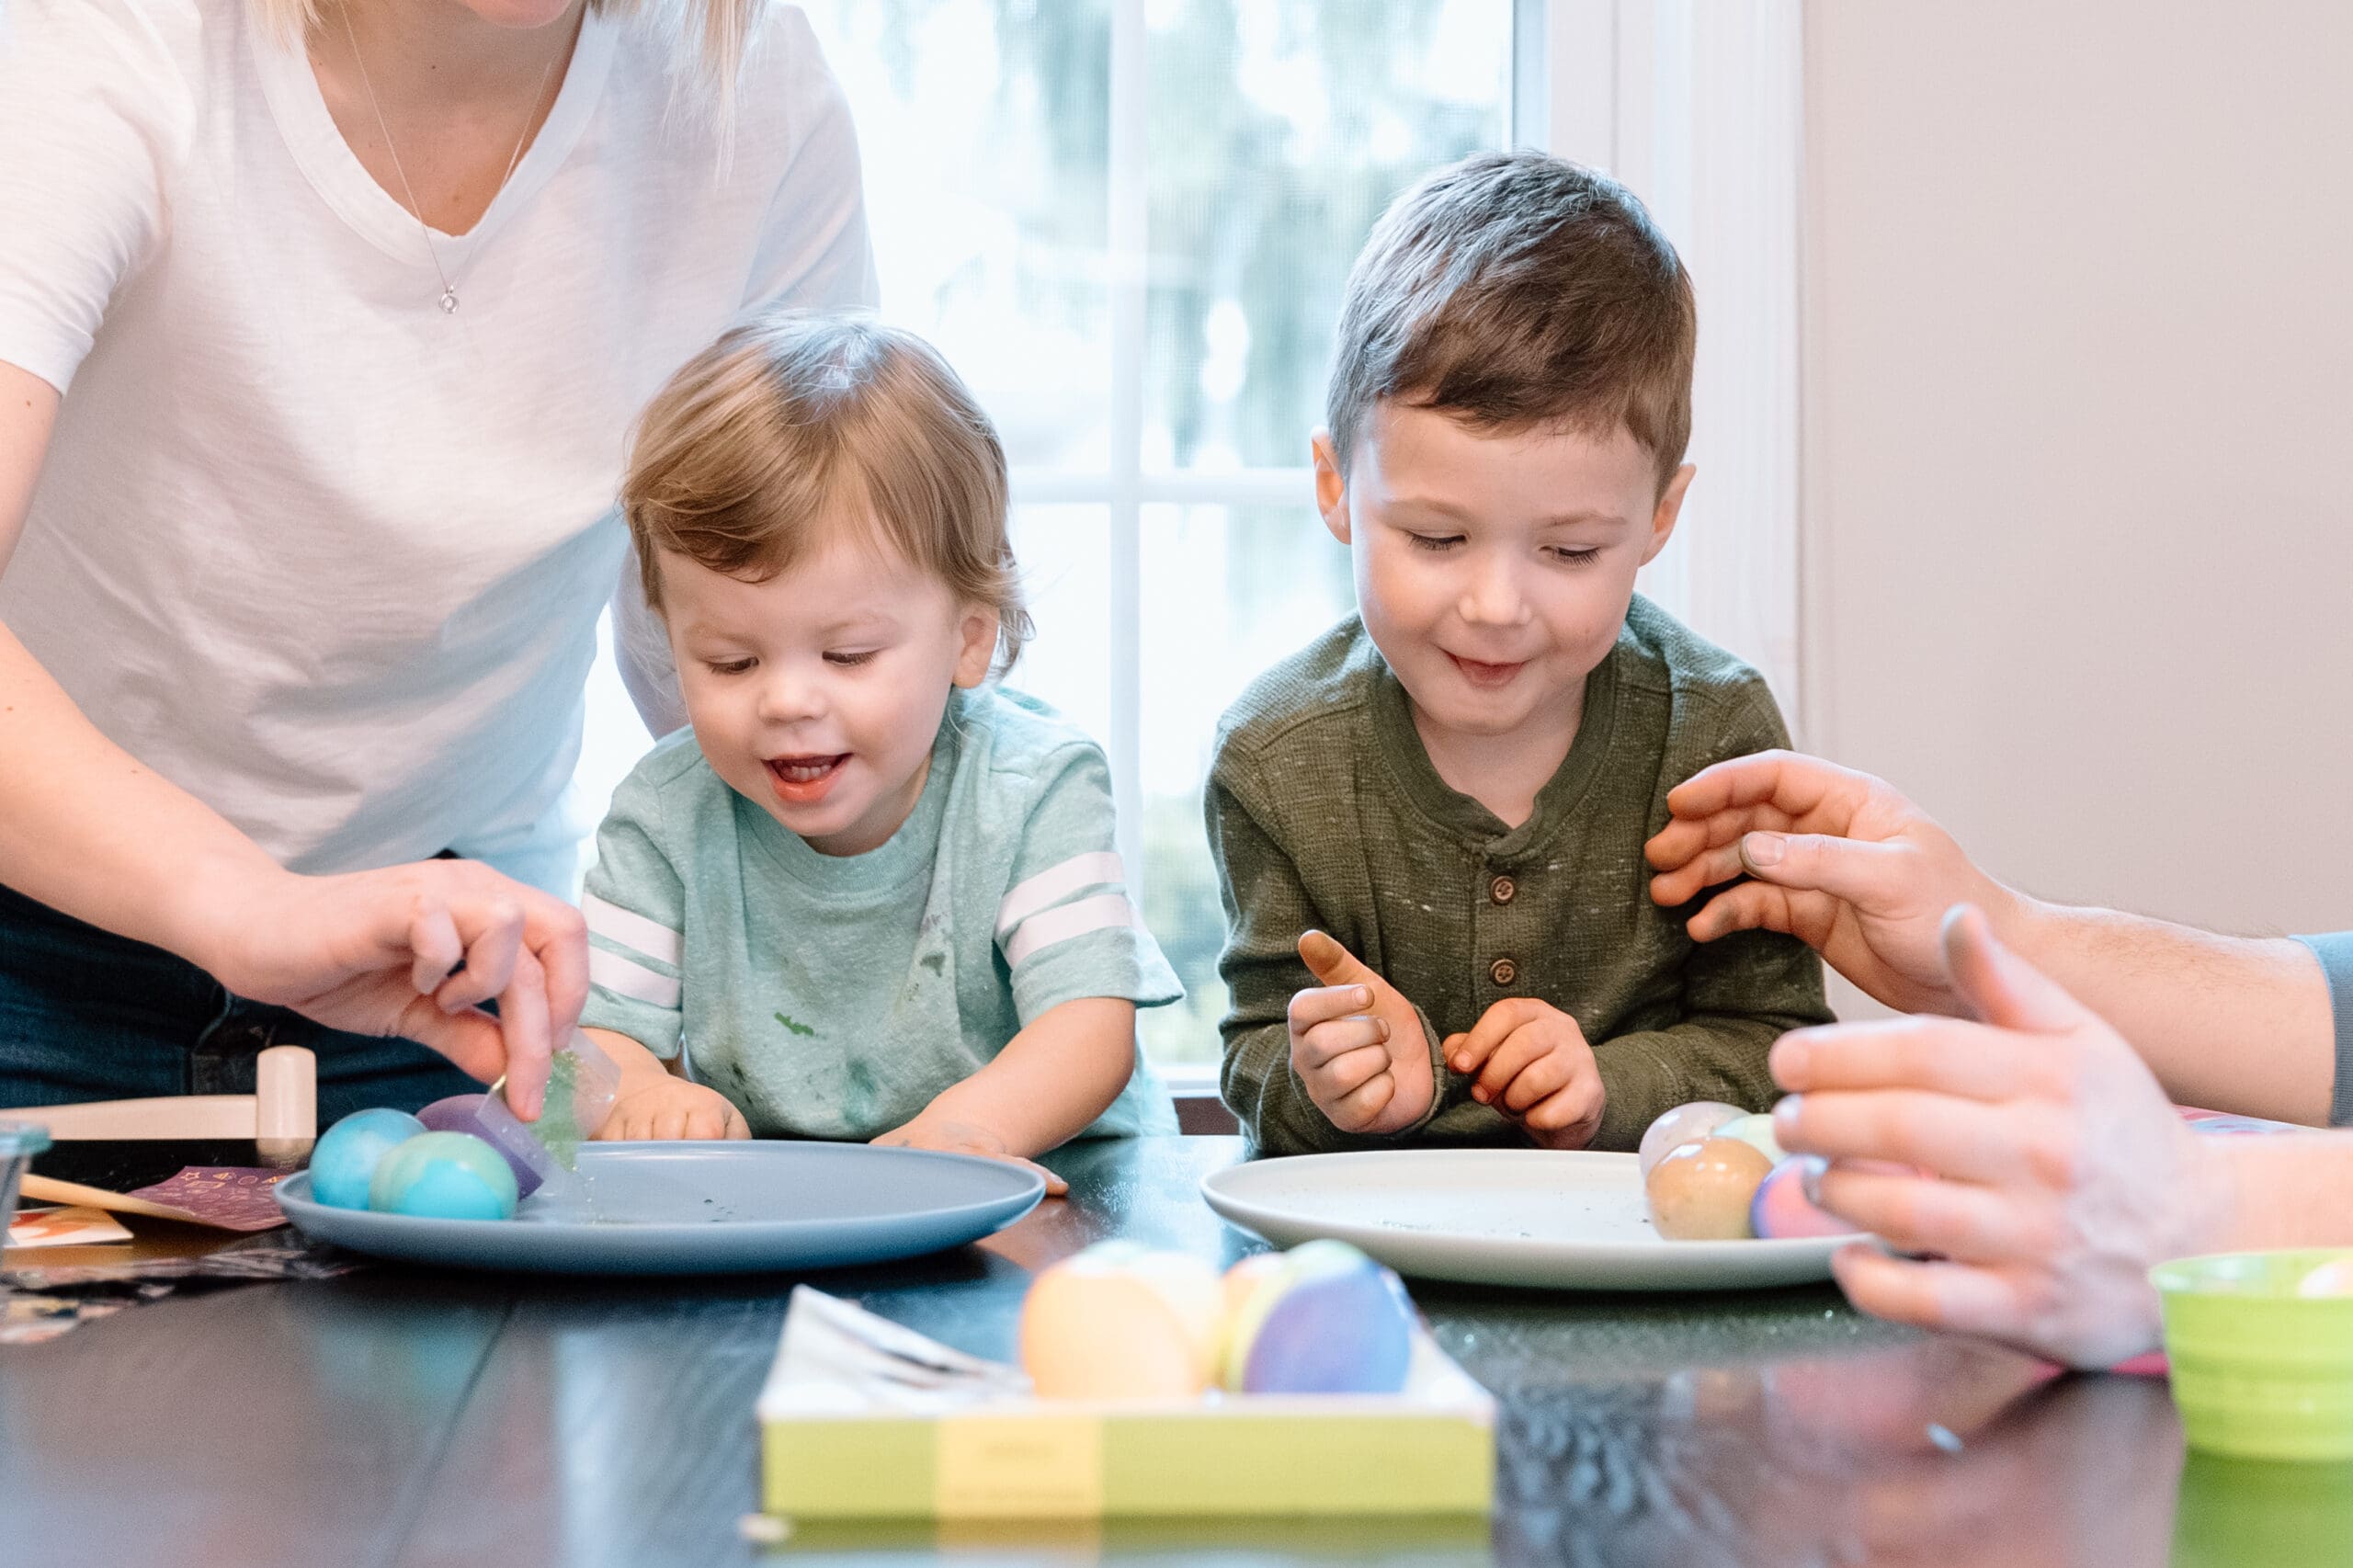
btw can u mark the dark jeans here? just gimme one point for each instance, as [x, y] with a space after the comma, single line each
[85, 1014]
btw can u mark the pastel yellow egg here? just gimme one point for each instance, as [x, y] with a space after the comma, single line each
[1121, 1321]
[1702, 1192]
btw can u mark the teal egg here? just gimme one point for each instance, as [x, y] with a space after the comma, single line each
[444, 1175]
[344, 1162]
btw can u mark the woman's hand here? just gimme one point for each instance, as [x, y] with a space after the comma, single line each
[1838, 860]
[2058, 1174]
[412, 950]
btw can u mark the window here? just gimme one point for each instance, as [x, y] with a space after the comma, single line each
[1127, 224]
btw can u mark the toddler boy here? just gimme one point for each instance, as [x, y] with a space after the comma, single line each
[1429, 824]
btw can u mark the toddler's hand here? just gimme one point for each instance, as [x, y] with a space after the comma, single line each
[655, 1106]
[1358, 1044]
[951, 1137]
[1534, 1066]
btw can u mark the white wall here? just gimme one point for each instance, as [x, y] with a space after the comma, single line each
[2077, 438]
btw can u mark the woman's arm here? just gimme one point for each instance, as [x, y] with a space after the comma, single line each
[413, 951]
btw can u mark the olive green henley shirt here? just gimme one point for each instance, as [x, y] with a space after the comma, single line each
[1324, 810]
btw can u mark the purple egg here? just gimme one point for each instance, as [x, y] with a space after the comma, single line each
[466, 1113]
[1781, 1209]
[1342, 1332]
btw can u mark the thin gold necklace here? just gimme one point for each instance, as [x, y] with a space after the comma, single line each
[417, 209]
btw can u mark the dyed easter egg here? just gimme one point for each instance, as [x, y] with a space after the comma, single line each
[1755, 1129]
[1781, 1209]
[444, 1175]
[479, 1115]
[1326, 1319]
[1701, 1192]
[1120, 1321]
[1684, 1124]
[1242, 1279]
[2334, 1278]
[344, 1162]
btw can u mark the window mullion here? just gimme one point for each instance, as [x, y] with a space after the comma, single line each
[1126, 239]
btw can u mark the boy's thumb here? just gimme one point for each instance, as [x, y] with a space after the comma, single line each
[1998, 985]
[1330, 962]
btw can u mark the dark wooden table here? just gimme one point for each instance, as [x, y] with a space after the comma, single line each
[396, 1416]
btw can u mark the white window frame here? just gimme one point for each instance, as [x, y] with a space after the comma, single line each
[1696, 106]
[1699, 107]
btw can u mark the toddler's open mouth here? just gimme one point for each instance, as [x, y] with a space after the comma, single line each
[802, 780]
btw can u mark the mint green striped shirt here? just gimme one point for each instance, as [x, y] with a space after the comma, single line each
[833, 996]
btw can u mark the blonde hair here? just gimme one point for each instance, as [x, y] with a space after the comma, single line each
[795, 422]
[717, 41]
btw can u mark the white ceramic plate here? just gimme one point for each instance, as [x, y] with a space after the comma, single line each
[1568, 1221]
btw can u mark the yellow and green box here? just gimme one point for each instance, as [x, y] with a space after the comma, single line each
[1426, 1450]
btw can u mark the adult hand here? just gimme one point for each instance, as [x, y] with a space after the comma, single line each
[1840, 860]
[2058, 1173]
[1358, 1044]
[1535, 1066]
[415, 950]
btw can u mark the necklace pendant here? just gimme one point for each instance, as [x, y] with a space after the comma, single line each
[449, 300]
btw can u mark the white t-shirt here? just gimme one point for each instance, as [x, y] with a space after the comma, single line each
[325, 556]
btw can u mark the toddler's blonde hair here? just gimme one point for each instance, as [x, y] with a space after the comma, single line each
[795, 422]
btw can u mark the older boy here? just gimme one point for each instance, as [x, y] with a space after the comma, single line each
[1455, 784]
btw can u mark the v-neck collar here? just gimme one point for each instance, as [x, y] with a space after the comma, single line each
[335, 172]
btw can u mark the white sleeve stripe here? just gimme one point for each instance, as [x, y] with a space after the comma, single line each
[1050, 886]
[631, 929]
[1101, 913]
[627, 977]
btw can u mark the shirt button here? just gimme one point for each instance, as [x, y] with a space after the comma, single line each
[1503, 971]
[1502, 889]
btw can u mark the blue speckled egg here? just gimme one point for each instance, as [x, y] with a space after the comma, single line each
[444, 1175]
[344, 1162]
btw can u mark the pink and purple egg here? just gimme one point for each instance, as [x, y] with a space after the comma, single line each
[1782, 1211]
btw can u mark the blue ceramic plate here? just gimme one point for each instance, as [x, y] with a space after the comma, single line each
[708, 1209]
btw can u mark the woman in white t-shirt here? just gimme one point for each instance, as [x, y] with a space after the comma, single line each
[322, 323]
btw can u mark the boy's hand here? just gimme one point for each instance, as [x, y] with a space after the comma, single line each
[1534, 1066]
[952, 1137]
[651, 1106]
[1358, 1044]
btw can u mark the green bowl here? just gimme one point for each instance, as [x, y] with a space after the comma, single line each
[2258, 1371]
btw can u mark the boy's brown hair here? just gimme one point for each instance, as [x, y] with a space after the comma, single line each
[1516, 291]
[795, 422]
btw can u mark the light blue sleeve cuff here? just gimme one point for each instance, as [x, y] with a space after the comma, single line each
[2335, 951]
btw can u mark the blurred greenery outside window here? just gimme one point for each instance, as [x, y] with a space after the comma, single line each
[1128, 224]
